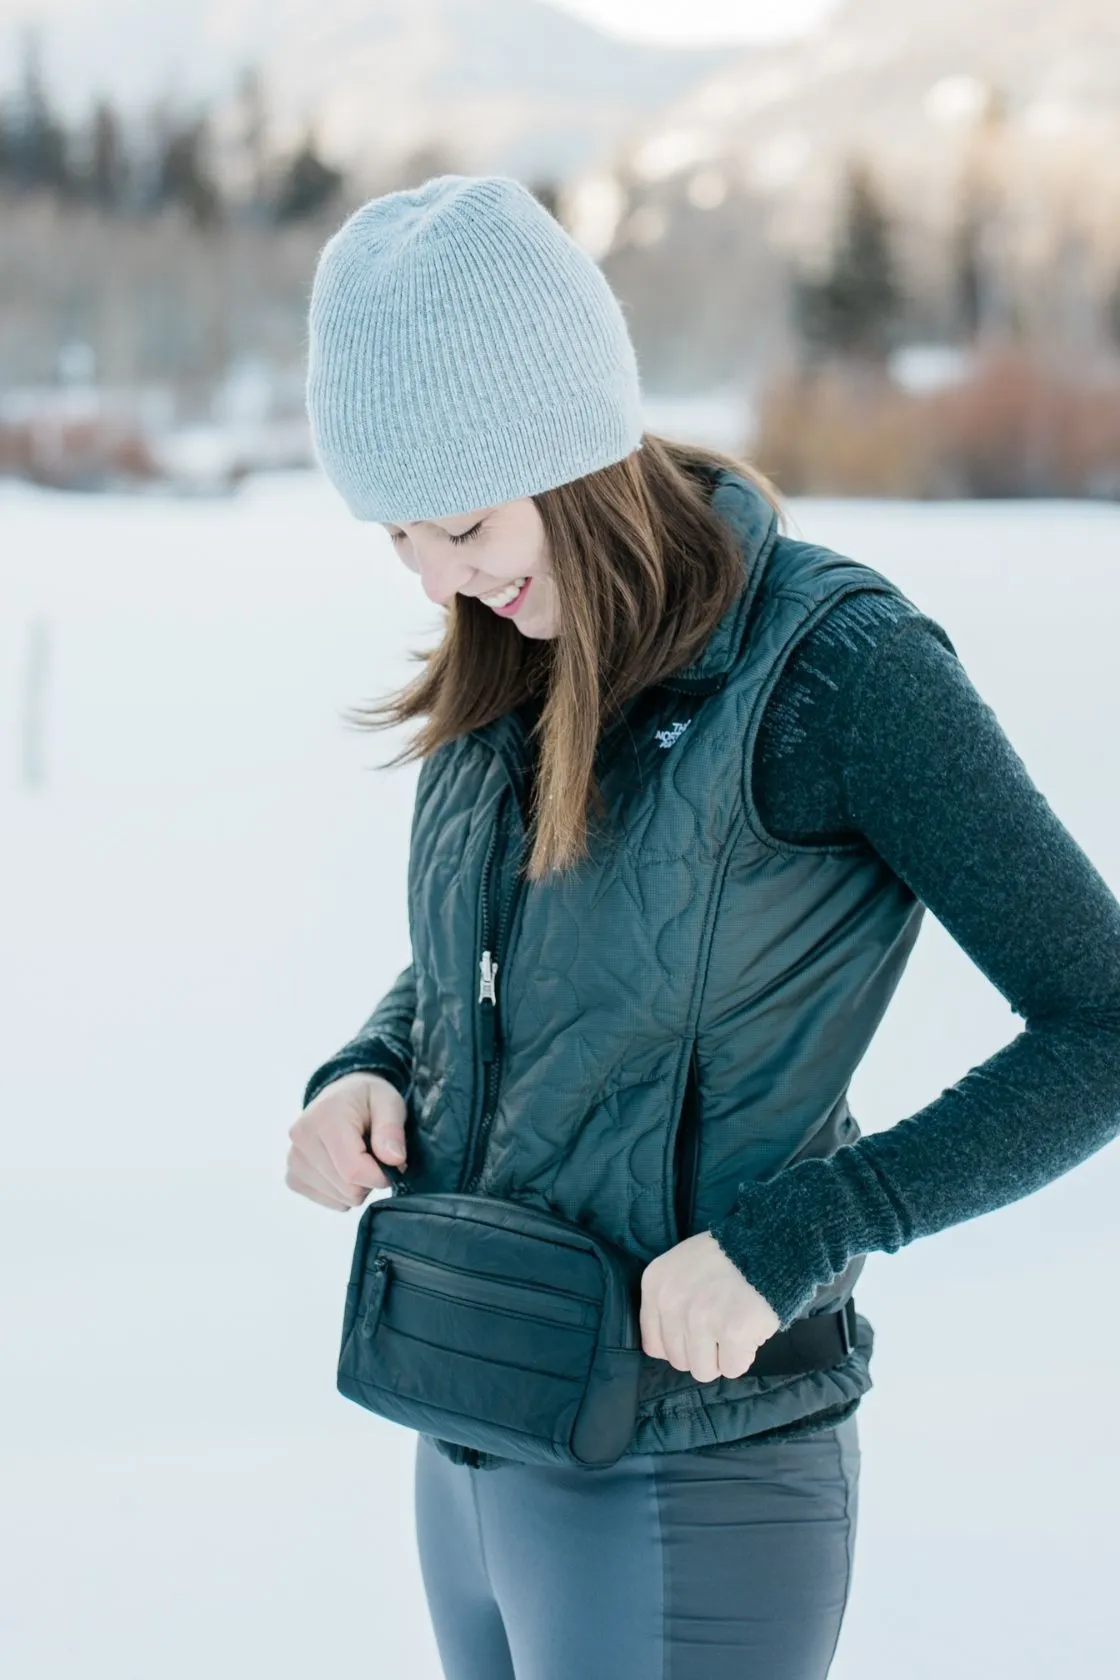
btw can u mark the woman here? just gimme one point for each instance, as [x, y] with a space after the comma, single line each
[676, 824]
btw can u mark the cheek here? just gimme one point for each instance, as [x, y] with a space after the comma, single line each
[514, 551]
[538, 563]
[546, 609]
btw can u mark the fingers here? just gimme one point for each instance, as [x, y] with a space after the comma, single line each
[330, 1157]
[675, 1340]
[700, 1313]
[694, 1348]
[735, 1356]
[650, 1324]
[662, 1327]
[348, 1161]
[314, 1189]
[702, 1353]
[367, 1126]
[387, 1140]
[687, 1335]
[685, 1346]
[663, 1324]
[315, 1163]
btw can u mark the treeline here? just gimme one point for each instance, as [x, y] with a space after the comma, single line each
[1033, 407]
[216, 165]
[1006, 245]
[862, 305]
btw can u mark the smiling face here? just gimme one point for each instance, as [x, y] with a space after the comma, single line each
[498, 555]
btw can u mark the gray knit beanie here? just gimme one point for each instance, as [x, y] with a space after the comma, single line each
[463, 351]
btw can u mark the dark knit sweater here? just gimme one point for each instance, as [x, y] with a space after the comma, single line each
[875, 732]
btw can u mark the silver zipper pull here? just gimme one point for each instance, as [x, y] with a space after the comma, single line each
[487, 992]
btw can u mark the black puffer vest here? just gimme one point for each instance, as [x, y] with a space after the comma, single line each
[683, 1011]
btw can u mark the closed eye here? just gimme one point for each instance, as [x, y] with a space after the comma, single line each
[464, 536]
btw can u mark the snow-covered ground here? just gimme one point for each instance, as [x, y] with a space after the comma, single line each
[202, 895]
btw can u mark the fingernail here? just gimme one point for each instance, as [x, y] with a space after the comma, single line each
[393, 1149]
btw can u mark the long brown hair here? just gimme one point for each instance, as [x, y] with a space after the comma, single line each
[644, 570]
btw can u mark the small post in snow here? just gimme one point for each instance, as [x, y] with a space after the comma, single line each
[35, 676]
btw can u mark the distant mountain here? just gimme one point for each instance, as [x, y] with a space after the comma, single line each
[499, 84]
[511, 84]
[906, 84]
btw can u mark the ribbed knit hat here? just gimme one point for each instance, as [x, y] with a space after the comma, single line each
[463, 351]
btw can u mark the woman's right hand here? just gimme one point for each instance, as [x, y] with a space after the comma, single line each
[341, 1135]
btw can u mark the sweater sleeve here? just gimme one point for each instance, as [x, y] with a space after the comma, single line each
[382, 1045]
[897, 746]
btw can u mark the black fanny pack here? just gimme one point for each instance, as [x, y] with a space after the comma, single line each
[509, 1331]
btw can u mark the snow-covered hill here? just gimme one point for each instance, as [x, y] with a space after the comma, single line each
[512, 84]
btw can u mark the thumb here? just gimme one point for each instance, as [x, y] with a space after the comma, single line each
[387, 1141]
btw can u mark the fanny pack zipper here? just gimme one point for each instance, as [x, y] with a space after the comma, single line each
[568, 1309]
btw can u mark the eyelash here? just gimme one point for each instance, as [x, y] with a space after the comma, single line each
[464, 536]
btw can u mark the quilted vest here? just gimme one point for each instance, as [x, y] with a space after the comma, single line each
[680, 1013]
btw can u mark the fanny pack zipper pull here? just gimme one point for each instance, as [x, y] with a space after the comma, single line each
[377, 1295]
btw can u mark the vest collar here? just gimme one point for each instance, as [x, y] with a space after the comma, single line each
[755, 523]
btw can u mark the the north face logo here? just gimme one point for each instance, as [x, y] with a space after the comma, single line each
[667, 737]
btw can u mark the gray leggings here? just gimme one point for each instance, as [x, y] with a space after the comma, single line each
[726, 1563]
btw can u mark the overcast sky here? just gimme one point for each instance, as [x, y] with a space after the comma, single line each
[700, 21]
[134, 49]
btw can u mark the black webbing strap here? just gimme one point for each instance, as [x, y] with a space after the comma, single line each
[808, 1344]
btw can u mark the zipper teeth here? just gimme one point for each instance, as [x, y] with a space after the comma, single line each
[424, 1264]
[486, 866]
[556, 1321]
[478, 1149]
[490, 1090]
[477, 1142]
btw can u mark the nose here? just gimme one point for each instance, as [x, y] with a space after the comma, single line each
[442, 578]
[441, 574]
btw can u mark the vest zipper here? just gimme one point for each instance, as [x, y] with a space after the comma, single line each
[487, 1004]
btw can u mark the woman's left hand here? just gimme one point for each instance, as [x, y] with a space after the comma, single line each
[700, 1313]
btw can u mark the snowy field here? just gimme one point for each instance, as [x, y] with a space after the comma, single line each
[203, 895]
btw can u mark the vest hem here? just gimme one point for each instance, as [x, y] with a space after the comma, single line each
[684, 1422]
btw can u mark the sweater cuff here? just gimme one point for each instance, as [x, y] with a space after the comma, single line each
[777, 1282]
[374, 1057]
[787, 1236]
